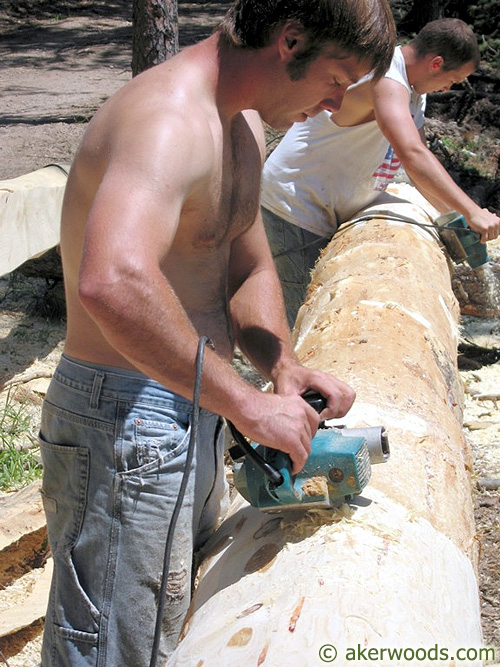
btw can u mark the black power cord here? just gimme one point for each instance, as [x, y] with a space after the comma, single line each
[180, 498]
[381, 214]
[243, 447]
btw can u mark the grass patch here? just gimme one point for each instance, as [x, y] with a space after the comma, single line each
[19, 460]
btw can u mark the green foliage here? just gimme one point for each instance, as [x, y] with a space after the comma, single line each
[483, 15]
[19, 464]
[468, 154]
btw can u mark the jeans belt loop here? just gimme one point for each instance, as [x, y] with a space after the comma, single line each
[96, 389]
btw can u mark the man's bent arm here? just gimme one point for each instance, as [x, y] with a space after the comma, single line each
[262, 332]
[390, 100]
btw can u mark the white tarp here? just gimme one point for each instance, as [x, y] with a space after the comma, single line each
[30, 212]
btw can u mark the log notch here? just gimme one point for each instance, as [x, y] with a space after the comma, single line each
[396, 568]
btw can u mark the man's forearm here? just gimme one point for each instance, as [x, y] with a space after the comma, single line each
[434, 182]
[261, 327]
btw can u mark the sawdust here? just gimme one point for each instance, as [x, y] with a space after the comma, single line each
[315, 486]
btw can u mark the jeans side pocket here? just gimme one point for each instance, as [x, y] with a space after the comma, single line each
[72, 618]
[64, 492]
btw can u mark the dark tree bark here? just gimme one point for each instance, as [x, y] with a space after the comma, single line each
[421, 12]
[155, 33]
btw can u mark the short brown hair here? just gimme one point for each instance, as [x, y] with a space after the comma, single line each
[364, 29]
[452, 39]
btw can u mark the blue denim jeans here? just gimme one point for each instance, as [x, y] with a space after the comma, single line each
[114, 447]
[295, 252]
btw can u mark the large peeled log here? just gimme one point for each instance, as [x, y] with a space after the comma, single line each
[395, 568]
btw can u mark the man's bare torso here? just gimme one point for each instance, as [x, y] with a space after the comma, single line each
[220, 203]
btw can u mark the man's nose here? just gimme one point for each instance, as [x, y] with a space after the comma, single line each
[333, 104]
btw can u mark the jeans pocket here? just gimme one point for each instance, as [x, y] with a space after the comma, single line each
[158, 440]
[71, 615]
[63, 647]
[150, 445]
[64, 492]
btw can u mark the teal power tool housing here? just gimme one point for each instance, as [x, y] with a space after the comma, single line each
[462, 243]
[338, 468]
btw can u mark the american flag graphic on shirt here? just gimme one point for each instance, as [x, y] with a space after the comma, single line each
[386, 171]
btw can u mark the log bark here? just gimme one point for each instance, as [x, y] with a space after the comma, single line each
[397, 567]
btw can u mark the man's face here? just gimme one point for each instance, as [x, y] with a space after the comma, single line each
[322, 86]
[439, 80]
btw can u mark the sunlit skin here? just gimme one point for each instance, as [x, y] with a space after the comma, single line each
[162, 240]
[438, 79]
[323, 86]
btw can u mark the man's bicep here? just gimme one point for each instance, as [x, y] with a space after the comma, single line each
[250, 253]
[130, 215]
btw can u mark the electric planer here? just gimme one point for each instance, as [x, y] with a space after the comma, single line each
[338, 467]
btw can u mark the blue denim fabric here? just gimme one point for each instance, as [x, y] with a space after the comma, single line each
[114, 447]
[295, 251]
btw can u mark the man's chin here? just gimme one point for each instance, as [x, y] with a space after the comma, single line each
[279, 125]
[284, 125]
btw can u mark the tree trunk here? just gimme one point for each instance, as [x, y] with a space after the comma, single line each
[155, 33]
[421, 12]
[396, 568]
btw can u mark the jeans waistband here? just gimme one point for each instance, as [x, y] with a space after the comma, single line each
[116, 383]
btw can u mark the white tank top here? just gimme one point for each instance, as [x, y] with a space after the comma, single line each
[321, 174]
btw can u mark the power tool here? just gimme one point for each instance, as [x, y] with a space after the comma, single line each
[462, 243]
[338, 467]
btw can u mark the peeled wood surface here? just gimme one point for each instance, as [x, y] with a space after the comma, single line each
[398, 567]
[24, 581]
[21, 513]
[382, 316]
[24, 603]
[275, 589]
[30, 211]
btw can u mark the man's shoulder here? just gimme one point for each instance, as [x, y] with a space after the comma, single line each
[397, 69]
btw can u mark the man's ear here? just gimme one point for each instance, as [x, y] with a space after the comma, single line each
[291, 40]
[437, 63]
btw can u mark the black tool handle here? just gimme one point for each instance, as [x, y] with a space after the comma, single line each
[271, 473]
[243, 447]
[315, 400]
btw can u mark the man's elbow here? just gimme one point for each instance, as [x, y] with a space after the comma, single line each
[99, 292]
[414, 157]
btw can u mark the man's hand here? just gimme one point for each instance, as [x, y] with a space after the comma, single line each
[486, 223]
[285, 421]
[297, 380]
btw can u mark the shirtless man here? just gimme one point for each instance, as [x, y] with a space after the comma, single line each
[325, 170]
[162, 243]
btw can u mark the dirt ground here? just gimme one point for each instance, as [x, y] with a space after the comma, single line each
[59, 60]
